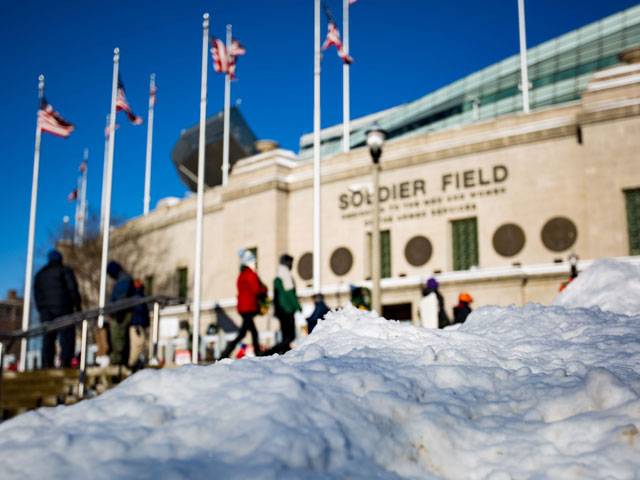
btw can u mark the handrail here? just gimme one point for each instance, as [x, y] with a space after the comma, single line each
[77, 317]
[83, 318]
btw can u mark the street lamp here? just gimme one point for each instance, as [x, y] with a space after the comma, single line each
[375, 140]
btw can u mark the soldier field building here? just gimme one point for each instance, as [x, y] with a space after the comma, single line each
[488, 199]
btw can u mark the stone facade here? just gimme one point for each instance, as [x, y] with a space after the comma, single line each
[556, 177]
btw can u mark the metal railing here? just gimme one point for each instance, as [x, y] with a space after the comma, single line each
[8, 338]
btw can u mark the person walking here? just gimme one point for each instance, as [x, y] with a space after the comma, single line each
[138, 331]
[319, 311]
[285, 301]
[431, 310]
[120, 321]
[250, 293]
[56, 294]
[360, 297]
[463, 309]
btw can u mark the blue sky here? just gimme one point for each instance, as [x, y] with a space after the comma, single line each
[402, 50]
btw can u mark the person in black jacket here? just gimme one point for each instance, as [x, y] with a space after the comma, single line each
[138, 331]
[56, 294]
[120, 321]
[430, 291]
[319, 311]
[463, 309]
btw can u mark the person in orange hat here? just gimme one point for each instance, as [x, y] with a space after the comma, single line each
[463, 309]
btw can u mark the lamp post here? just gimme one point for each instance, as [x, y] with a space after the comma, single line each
[375, 140]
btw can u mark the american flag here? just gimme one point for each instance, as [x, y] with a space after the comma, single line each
[73, 196]
[333, 38]
[152, 94]
[123, 105]
[106, 130]
[225, 61]
[219, 55]
[237, 50]
[51, 121]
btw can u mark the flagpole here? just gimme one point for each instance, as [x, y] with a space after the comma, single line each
[147, 173]
[104, 172]
[83, 198]
[227, 106]
[107, 186]
[316, 150]
[345, 80]
[524, 68]
[26, 306]
[76, 226]
[197, 277]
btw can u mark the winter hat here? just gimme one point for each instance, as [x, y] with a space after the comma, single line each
[465, 297]
[432, 283]
[113, 269]
[286, 259]
[246, 257]
[54, 256]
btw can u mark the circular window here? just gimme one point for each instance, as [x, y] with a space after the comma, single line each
[508, 240]
[341, 261]
[305, 266]
[559, 234]
[418, 251]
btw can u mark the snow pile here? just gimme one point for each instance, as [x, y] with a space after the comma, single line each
[543, 392]
[608, 284]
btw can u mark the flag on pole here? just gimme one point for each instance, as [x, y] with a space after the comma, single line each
[51, 121]
[152, 94]
[73, 196]
[219, 55]
[351, 2]
[123, 105]
[106, 130]
[225, 61]
[237, 50]
[83, 166]
[333, 38]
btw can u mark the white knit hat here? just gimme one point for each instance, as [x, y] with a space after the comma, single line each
[246, 257]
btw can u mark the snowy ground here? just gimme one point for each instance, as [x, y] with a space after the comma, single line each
[608, 285]
[533, 392]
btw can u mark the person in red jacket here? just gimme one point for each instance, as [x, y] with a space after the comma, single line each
[250, 291]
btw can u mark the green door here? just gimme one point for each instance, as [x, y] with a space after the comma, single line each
[465, 243]
[632, 198]
[183, 282]
[385, 253]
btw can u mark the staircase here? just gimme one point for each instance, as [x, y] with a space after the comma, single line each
[24, 391]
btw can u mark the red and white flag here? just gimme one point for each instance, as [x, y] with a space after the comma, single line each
[237, 50]
[52, 122]
[219, 55]
[152, 94]
[225, 61]
[73, 196]
[333, 38]
[123, 105]
[106, 130]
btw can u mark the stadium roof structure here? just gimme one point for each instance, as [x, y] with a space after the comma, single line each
[185, 152]
[559, 70]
